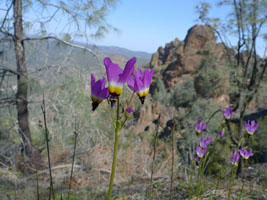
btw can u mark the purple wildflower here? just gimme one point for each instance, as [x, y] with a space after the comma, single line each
[200, 127]
[140, 83]
[129, 110]
[98, 91]
[234, 158]
[251, 127]
[221, 132]
[227, 112]
[201, 152]
[116, 76]
[205, 142]
[245, 153]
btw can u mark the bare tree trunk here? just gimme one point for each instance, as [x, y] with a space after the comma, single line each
[22, 80]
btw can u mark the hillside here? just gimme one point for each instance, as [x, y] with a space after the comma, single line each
[44, 53]
[193, 80]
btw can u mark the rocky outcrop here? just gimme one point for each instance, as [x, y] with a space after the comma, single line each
[186, 57]
[197, 38]
[168, 54]
[147, 119]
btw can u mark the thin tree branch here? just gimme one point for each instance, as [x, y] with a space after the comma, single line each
[67, 43]
[4, 20]
[51, 191]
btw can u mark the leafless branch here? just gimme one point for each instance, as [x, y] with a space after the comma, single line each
[4, 20]
[67, 43]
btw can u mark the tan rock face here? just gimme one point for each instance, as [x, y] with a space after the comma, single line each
[149, 113]
[168, 54]
[185, 57]
[197, 37]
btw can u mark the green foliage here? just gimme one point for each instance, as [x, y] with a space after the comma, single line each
[183, 95]
[34, 86]
[161, 94]
[259, 142]
[219, 164]
[209, 81]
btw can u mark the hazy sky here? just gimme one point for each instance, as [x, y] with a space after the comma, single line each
[147, 24]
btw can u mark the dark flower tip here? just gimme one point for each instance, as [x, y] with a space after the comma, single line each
[142, 99]
[112, 103]
[94, 105]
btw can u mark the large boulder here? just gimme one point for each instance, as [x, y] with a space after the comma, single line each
[185, 57]
[197, 37]
[168, 54]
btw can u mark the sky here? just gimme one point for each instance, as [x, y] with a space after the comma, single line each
[146, 25]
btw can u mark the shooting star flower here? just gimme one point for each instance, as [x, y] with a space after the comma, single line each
[234, 158]
[200, 127]
[205, 142]
[140, 83]
[227, 112]
[251, 127]
[245, 153]
[98, 91]
[201, 152]
[116, 76]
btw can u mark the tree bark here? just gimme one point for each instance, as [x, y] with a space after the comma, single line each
[22, 80]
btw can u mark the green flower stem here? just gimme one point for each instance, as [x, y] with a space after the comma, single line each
[216, 188]
[117, 136]
[154, 156]
[190, 185]
[201, 172]
[242, 190]
[234, 170]
[243, 184]
[172, 132]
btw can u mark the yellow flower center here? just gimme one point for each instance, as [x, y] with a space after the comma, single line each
[114, 90]
[142, 94]
[96, 100]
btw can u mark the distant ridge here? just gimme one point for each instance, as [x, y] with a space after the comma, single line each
[142, 57]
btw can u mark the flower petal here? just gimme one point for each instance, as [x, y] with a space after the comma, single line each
[148, 78]
[113, 70]
[128, 70]
[130, 83]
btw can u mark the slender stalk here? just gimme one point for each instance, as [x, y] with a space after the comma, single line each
[117, 136]
[15, 188]
[201, 172]
[216, 188]
[51, 191]
[173, 128]
[73, 158]
[131, 99]
[190, 184]
[234, 170]
[242, 190]
[154, 156]
[37, 186]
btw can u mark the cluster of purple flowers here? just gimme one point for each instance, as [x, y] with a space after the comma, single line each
[203, 145]
[139, 82]
[250, 126]
[242, 152]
